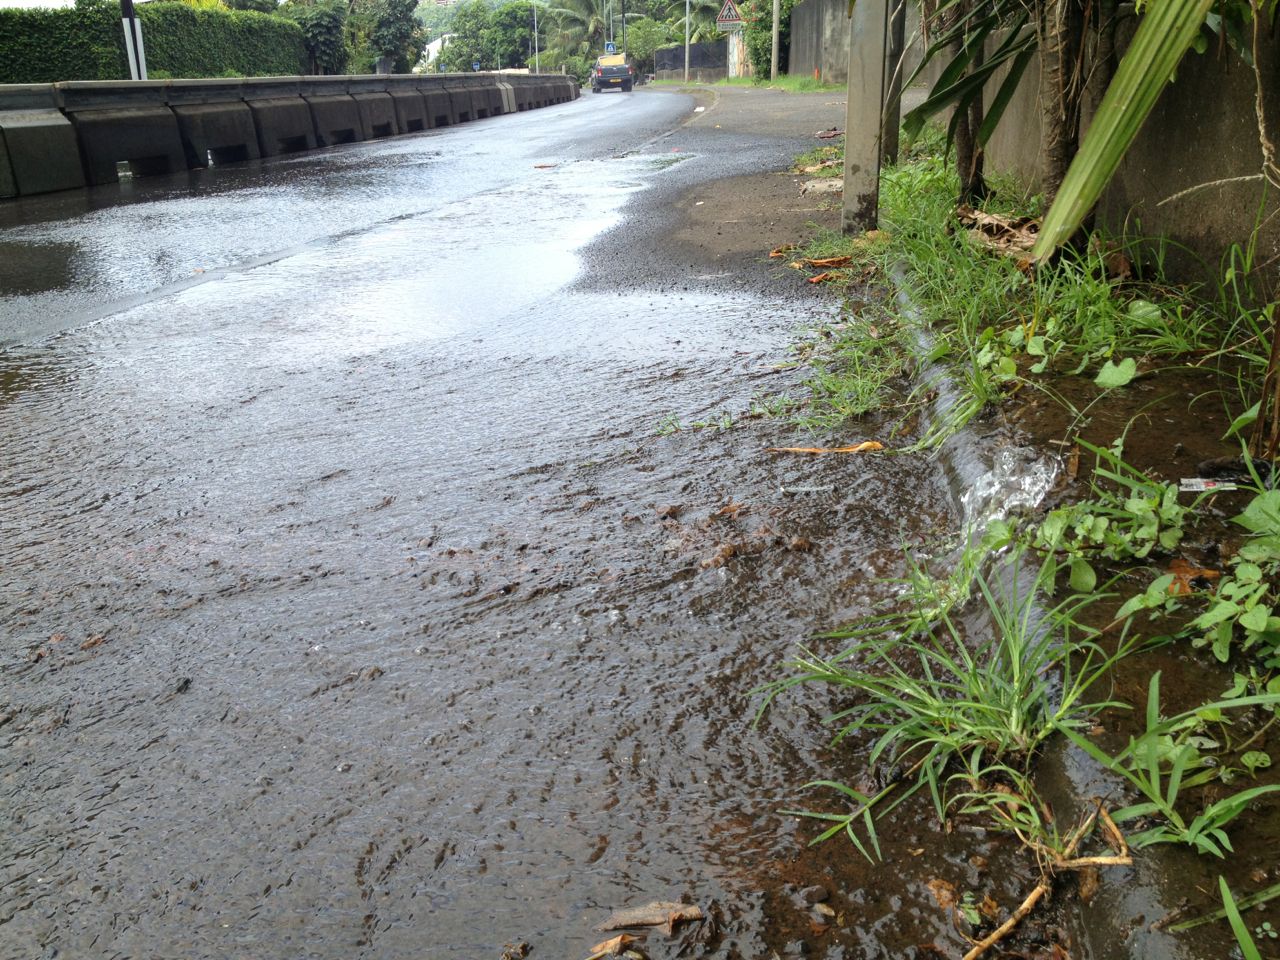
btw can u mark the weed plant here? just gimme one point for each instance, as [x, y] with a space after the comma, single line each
[939, 707]
[1157, 765]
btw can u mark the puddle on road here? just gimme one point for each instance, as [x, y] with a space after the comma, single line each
[426, 650]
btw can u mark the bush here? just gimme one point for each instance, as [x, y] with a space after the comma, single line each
[86, 43]
[45, 46]
[197, 42]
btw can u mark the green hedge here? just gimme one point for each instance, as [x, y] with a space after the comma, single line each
[87, 43]
[184, 41]
[45, 46]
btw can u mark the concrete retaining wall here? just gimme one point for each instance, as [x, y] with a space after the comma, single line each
[1201, 137]
[67, 135]
[820, 40]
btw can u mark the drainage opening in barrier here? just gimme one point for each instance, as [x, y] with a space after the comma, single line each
[145, 166]
[382, 129]
[415, 126]
[482, 114]
[463, 116]
[123, 169]
[341, 136]
[442, 120]
[221, 155]
[292, 144]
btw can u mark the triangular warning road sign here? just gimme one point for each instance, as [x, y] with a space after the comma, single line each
[729, 13]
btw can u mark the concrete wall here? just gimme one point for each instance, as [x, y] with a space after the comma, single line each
[820, 40]
[67, 135]
[1202, 131]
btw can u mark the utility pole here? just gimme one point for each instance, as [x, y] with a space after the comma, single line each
[862, 123]
[686, 41]
[624, 27]
[777, 28]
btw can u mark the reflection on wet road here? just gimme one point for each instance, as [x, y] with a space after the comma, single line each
[354, 604]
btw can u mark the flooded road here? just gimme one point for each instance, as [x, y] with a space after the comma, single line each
[360, 596]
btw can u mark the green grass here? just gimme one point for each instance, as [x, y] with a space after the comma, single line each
[946, 708]
[996, 325]
[784, 82]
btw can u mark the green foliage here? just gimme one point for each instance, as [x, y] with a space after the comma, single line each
[323, 34]
[508, 39]
[470, 21]
[1157, 764]
[86, 43]
[757, 34]
[1127, 517]
[395, 30]
[261, 6]
[196, 42]
[47, 46]
[644, 37]
[941, 712]
[1241, 615]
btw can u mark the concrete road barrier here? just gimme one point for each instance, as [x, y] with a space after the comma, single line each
[119, 123]
[281, 117]
[333, 111]
[38, 151]
[214, 122]
[409, 104]
[376, 108]
[66, 135]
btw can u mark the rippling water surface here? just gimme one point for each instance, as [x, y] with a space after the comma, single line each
[355, 604]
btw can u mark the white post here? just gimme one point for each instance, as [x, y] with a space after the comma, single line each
[133, 41]
[862, 129]
[777, 28]
[686, 41]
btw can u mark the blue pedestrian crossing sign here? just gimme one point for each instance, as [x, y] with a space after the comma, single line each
[610, 47]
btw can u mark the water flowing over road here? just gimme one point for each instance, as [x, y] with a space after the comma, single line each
[356, 601]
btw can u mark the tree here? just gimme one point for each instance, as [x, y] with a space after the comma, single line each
[396, 32]
[702, 18]
[508, 40]
[470, 20]
[262, 6]
[644, 36]
[323, 31]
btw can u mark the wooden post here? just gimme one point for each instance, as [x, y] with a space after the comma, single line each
[893, 99]
[862, 146]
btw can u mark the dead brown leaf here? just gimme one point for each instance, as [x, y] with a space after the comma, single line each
[96, 640]
[827, 262]
[1185, 575]
[944, 893]
[865, 447]
[829, 134]
[731, 510]
[827, 277]
[1089, 881]
[615, 945]
[1009, 236]
[989, 908]
[779, 252]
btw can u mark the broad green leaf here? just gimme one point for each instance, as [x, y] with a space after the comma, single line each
[1255, 760]
[1116, 374]
[1166, 32]
[1083, 578]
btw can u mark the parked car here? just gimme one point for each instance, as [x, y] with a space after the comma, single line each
[612, 73]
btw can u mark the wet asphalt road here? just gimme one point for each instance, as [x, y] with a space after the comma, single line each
[358, 599]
